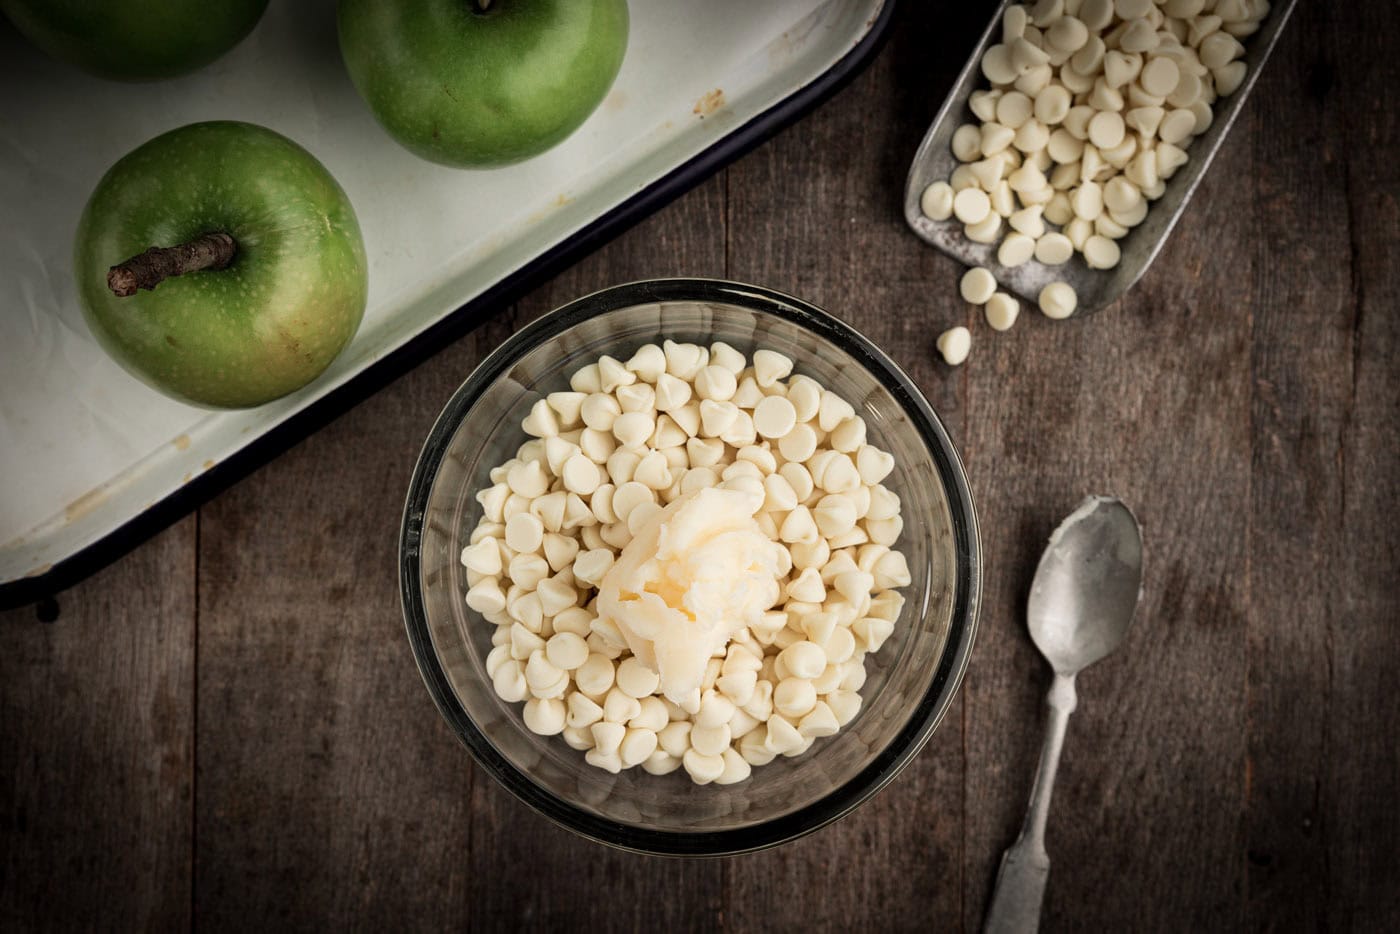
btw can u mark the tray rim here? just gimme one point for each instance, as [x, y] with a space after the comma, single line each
[744, 138]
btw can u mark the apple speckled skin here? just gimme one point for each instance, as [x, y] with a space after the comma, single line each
[471, 89]
[272, 320]
[135, 40]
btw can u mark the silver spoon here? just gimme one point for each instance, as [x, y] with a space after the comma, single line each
[1082, 600]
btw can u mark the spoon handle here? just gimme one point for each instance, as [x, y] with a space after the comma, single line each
[1025, 866]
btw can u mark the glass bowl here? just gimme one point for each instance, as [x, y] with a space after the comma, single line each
[911, 680]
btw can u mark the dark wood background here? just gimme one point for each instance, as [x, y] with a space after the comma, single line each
[226, 728]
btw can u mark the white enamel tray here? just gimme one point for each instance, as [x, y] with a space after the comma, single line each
[91, 460]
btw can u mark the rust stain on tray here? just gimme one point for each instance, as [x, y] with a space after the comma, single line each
[84, 504]
[709, 103]
[181, 442]
[208, 464]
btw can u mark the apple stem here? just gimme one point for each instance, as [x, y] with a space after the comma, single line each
[481, 6]
[149, 269]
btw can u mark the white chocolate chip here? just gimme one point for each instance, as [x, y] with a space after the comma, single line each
[1228, 78]
[1054, 249]
[985, 230]
[994, 138]
[1001, 311]
[1057, 300]
[638, 397]
[805, 396]
[684, 360]
[632, 429]
[1101, 253]
[954, 345]
[834, 514]
[1015, 249]
[612, 374]
[586, 379]
[1160, 77]
[794, 697]
[635, 679]
[971, 205]
[580, 475]
[977, 285]
[649, 362]
[967, 143]
[724, 355]
[770, 367]
[484, 557]
[524, 533]
[555, 595]
[671, 392]
[832, 411]
[798, 527]
[1106, 129]
[774, 417]
[567, 651]
[715, 383]
[599, 411]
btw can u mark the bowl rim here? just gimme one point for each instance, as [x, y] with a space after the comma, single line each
[926, 715]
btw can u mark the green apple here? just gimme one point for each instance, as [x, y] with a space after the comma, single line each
[135, 40]
[222, 264]
[474, 84]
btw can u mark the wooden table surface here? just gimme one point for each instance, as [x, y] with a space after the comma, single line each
[226, 727]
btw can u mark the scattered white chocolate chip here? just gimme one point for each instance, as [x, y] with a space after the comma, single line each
[1001, 311]
[954, 345]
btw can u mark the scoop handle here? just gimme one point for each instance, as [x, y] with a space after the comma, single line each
[1025, 866]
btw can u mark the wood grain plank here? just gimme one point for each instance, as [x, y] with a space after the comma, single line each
[1302, 362]
[96, 749]
[642, 893]
[1360, 814]
[817, 212]
[1149, 401]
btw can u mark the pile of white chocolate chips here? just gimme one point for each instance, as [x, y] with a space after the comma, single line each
[688, 562]
[1092, 107]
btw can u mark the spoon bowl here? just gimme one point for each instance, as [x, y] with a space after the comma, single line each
[1087, 585]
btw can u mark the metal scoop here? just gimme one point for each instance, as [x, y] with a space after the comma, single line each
[1096, 288]
[1082, 601]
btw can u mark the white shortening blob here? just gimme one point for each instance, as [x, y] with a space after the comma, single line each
[694, 574]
